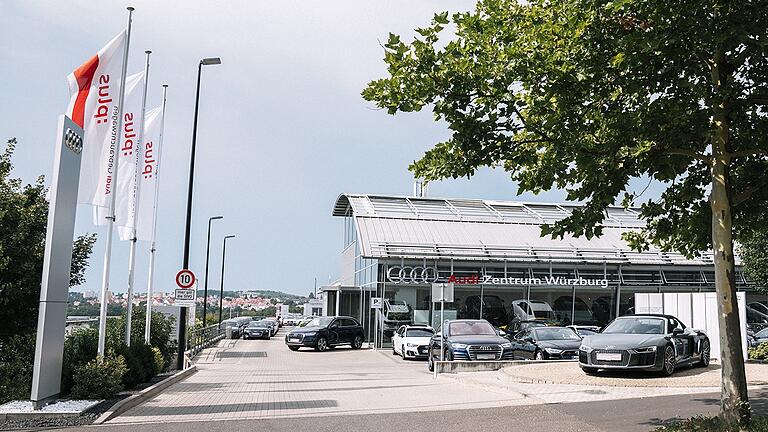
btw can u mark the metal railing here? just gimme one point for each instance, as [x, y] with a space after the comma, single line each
[199, 338]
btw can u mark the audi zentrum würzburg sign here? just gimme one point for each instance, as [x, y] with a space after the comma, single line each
[412, 275]
[428, 275]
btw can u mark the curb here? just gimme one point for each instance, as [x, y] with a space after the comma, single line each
[144, 395]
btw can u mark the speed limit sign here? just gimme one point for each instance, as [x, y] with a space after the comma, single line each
[185, 278]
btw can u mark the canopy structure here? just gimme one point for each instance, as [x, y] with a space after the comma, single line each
[474, 229]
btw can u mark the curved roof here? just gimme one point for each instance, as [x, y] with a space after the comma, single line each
[474, 229]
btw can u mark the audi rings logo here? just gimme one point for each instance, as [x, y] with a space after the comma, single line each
[412, 275]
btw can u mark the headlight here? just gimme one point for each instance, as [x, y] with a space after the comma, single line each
[506, 345]
[310, 334]
[646, 349]
[553, 351]
[459, 345]
[585, 347]
[411, 345]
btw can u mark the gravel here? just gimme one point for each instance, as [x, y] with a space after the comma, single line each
[570, 373]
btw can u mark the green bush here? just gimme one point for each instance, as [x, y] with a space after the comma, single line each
[140, 361]
[159, 361]
[160, 336]
[79, 348]
[99, 378]
[759, 352]
[17, 355]
[714, 424]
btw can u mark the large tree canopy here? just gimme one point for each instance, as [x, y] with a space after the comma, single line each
[23, 221]
[586, 95]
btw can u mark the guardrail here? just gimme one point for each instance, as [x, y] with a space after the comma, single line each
[202, 337]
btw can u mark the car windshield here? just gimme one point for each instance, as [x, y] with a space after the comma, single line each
[762, 333]
[553, 333]
[464, 328]
[258, 324]
[418, 333]
[492, 301]
[320, 322]
[648, 325]
[585, 332]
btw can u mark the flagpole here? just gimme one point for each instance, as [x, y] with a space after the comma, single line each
[111, 217]
[152, 247]
[138, 153]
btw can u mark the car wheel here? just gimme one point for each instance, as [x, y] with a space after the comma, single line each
[393, 350]
[705, 353]
[357, 343]
[589, 370]
[430, 362]
[269, 337]
[402, 351]
[448, 355]
[538, 355]
[293, 348]
[668, 367]
[321, 344]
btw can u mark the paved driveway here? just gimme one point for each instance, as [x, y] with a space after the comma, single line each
[252, 379]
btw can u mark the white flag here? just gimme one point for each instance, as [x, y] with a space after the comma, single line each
[93, 105]
[148, 170]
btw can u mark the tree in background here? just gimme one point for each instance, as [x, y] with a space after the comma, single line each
[23, 222]
[586, 95]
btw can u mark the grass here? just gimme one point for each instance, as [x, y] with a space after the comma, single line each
[714, 424]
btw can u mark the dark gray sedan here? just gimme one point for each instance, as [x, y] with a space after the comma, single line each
[658, 343]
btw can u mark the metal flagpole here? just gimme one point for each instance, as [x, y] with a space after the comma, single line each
[152, 247]
[111, 217]
[138, 152]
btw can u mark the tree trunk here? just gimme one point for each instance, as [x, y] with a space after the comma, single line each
[734, 399]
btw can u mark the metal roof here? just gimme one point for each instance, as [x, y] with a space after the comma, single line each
[474, 229]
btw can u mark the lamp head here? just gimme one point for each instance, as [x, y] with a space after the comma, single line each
[210, 61]
[216, 217]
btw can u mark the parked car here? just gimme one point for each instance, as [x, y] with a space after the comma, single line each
[326, 332]
[585, 331]
[761, 336]
[546, 343]
[258, 330]
[394, 314]
[468, 339]
[272, 325]
[530, 310]
[492, 307]
[659, 343]
[412, 341]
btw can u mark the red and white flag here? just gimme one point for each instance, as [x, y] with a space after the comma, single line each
[93, 105]
[149, 164]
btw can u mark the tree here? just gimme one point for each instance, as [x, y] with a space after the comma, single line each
[586, 95]
[23, 222]
[753, 250]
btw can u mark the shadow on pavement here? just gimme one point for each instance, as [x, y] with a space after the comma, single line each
[148, 410]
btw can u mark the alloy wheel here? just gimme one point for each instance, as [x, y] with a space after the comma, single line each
[322, 344]
[539, 355]
[669, 360]
[705, 353]
[358, 342]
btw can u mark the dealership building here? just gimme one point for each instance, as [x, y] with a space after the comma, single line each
[396, 247]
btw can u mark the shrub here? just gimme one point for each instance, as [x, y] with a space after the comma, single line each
[17, 355]
[714, 424]
[99, 378]
[759, 352]
[140, 361]
[159, 360]
[159, 337]
[79, 348]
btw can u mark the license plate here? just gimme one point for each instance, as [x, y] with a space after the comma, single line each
[293, 339]
[608, 356]
[486, 356]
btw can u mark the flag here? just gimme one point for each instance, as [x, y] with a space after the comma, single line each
[128, 152]
[148, 171]
[93, 105]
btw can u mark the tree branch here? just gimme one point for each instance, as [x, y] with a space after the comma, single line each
[752, 152]
[746, 193]
[690, 153]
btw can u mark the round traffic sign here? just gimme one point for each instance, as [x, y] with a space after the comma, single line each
[185, 278]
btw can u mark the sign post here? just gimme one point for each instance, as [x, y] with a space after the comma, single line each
[376, 304]
[57, 264]
[442, 292]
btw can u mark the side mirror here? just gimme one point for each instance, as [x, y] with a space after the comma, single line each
[502, 333]
[528, 339]
[677, 331]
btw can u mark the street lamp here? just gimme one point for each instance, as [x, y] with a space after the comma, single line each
[185, 265]
[221, 293]
[207, 257]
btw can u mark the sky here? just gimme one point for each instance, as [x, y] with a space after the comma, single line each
[282, 130]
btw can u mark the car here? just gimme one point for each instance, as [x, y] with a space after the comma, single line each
[517, 325]
[412, 341]
[659, 343]
[530, 310]
[272, 325]
[492, 307]
[761, 336]
[467, 339]
[394, 314]
[258, 329]
[546, 343]
[326, 332]
[584, 331]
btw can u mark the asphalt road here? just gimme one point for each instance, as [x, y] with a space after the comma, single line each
[626, 415]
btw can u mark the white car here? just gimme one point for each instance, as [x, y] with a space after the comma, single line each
[412, 341]
[529, 310]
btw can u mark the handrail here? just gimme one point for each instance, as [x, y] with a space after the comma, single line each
[199, 338]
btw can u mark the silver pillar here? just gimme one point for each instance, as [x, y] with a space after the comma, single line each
[57, 264]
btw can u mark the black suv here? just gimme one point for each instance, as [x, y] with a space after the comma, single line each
[468, 340]
[326, 332]
[492, 307]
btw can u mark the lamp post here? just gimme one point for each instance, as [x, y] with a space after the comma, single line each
[185, 265]
[207, 257]
[223, 258]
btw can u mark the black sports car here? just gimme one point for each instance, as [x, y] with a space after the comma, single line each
[468, 339]
[650, 342]
[326, 332]
[546, 343]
